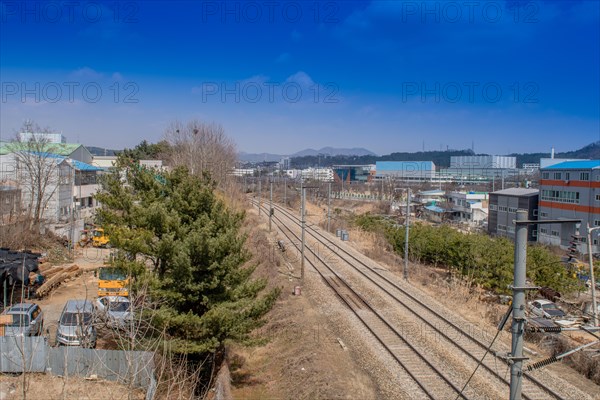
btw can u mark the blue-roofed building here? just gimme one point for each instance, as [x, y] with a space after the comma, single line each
[70, 182]
[434, 213]
[570, 189]
[405, 170]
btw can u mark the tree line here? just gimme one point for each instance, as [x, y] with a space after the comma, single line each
[483, 260]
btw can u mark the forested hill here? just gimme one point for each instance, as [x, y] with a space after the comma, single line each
[591, 151]
[440, 158]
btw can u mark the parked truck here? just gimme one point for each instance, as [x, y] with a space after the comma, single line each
[113, 281]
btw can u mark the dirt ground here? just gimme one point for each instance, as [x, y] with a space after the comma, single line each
[84, 286]
[302, 358]
[466, 303]
[48, 387]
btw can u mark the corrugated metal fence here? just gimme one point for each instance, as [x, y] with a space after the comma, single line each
[33, 354]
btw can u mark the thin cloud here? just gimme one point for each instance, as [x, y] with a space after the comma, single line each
[283, 58]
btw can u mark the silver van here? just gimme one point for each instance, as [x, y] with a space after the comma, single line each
[76, 324]
[27, 320]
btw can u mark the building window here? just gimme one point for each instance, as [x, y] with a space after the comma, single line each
[535, 212]
[510, 229]
[595, 242]
[598, 197]
[544, 214]
[544, 231]
[502, 208]
[555, 233]
[558, 175]
[545, 175]
[567, 176]
[502, 227]
[596, 222]
[512, 209]
[583, 240]
[534, 233]
[493, 207]
[560, 196]
[584, 176]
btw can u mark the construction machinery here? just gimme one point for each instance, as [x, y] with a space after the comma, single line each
[113, 281]
[100, 238]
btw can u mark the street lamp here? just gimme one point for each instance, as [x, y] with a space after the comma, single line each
[591, 260]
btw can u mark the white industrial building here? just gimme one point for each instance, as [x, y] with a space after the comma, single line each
[318, 174]
[483, 162]
[43, 137]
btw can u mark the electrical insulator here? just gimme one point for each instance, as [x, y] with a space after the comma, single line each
[541, 364]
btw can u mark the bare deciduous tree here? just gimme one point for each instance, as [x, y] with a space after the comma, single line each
[202, 148]
[37, 169]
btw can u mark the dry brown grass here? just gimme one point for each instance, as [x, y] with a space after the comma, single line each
[583, 362]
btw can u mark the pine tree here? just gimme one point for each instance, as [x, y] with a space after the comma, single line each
[200, 274]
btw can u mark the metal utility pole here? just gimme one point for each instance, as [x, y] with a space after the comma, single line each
[271, 206]
[407, 223]
[259, 189]
[518, 307]
[515, 359]
[302, 219]
[329, 207]
[591, 260]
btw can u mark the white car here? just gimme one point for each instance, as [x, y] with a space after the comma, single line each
[116, 310]
[546, 309]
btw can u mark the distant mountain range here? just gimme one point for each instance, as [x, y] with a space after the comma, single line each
[440, 158]
[591, 151]
[325, 151]
[332, 155]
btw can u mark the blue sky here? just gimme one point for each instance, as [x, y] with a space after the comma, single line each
[516, 76]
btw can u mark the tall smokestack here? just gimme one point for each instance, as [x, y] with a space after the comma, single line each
[552, 153]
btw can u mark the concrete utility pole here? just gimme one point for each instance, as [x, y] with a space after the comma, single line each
[329, 207]
[591, 260]
[285, 192]
[518, 307]
[302, 219]
[407, 223]
[271, 206]
[259, 189]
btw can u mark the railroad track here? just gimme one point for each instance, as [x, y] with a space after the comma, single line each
[432, 382]
[472, 347]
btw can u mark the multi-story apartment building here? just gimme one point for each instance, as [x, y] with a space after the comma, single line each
[570, 190]
[503, 211]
